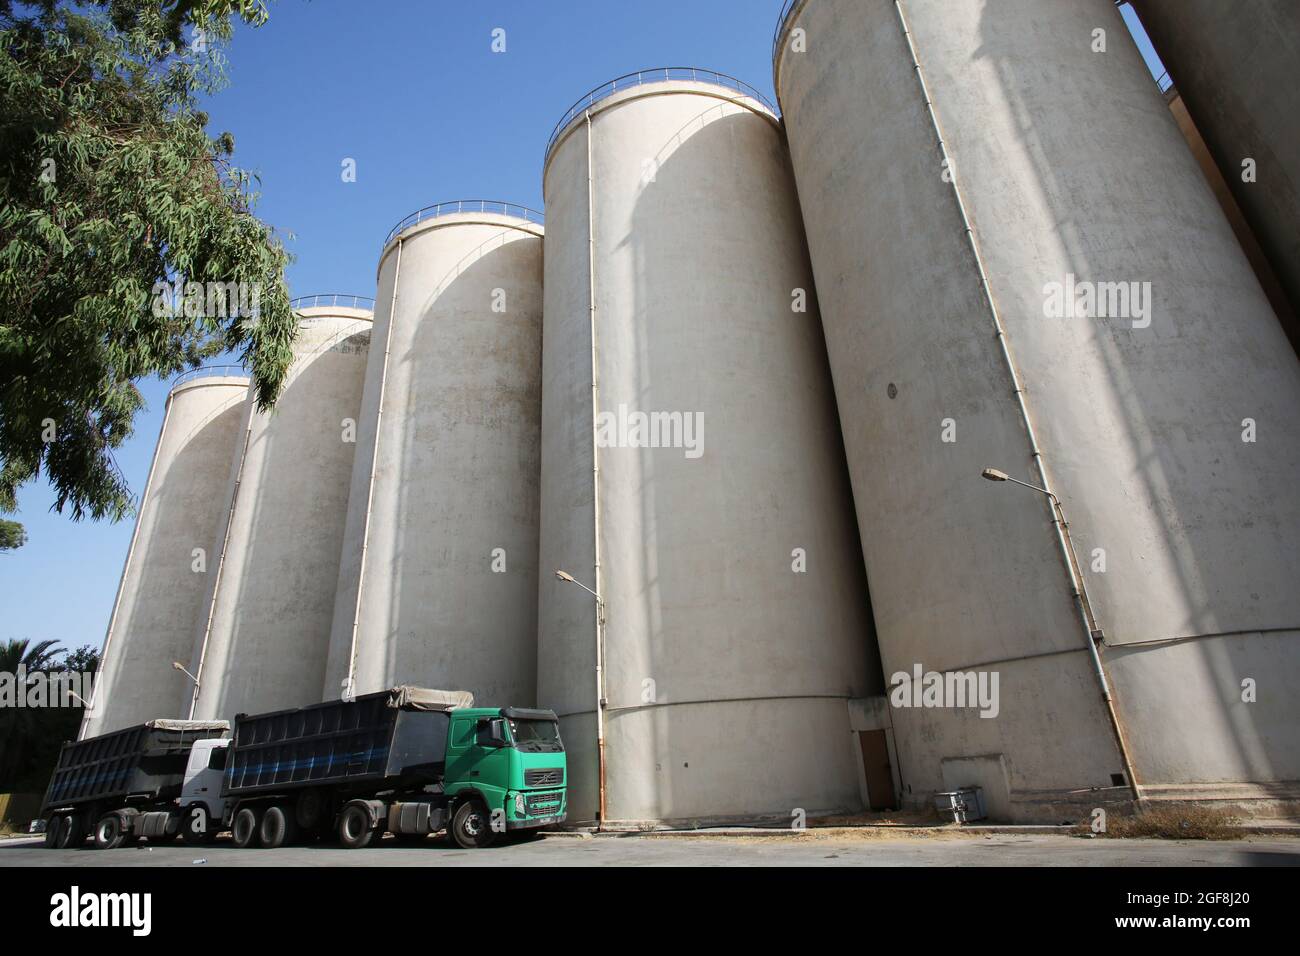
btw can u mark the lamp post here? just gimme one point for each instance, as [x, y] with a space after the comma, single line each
[600, 691]
[1095, 634]
[177, 665]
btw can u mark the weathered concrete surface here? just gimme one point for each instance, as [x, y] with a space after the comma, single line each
[1069, 163]
[1235, 66]
[455, 471]
[265, 643]
[727, 671]
[1002, 850]
[161, 602]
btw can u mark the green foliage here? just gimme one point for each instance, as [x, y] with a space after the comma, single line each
[111, 185]
[30, 738]
[12, 535]
[35, 657]
[85, 659]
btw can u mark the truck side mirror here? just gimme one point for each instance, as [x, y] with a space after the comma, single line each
[491, 732]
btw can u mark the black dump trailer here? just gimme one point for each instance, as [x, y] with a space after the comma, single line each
[361, 766]
[134, 770]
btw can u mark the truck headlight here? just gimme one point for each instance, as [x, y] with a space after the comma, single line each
[519, 805]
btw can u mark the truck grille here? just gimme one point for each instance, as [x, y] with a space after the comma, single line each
[544, 804]
[544, 777]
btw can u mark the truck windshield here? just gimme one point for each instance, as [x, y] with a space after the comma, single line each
[536, 735]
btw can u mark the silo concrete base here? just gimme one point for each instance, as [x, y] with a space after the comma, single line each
[675, 764]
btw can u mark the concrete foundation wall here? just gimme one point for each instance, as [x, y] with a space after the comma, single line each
[161, 602]
[265, 643]
[1069, 164]
[727, 672]
[455, 471]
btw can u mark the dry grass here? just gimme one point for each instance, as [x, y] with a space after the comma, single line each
[884, 818]
[1175, 821]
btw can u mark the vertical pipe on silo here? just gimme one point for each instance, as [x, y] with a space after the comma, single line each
[221, 563]
[1077, 587]
[126, 565]
[595, 478]
[370, 484]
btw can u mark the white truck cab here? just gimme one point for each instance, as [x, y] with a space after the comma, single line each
[200, 802]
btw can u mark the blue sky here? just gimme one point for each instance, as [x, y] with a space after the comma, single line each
[414, 94]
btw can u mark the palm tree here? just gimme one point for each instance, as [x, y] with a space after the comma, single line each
[18, 724]
[15, 653]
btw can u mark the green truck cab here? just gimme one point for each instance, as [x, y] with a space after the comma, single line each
[507, 762]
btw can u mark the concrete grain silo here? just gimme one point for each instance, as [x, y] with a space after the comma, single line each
[1021, 267]
[160, 599]
[1235, 64]
[700, 477]
[264, 639]
[437, 584]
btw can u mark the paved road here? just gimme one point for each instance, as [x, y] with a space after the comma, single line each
[998, 850]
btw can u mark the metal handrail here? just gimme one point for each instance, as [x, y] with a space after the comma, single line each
[209, 371]
[781, 23]
[323, 299]
[466, 205]
[1163, 82]
[659, 74]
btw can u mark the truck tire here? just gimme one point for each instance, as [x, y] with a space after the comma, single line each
[72, 832]
[52, 827]
[355, 831]
[109, 832]
[196, 827]
[244, 830]
[278, 827]
[471, 827]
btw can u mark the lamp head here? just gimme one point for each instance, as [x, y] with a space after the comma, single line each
[992, 474]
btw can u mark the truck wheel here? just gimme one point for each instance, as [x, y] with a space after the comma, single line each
[52, 828]
[355, 831]
[109, 832]
[470, 826]
[72, 832]
[278, 827]
[244, 830]
[196, 827]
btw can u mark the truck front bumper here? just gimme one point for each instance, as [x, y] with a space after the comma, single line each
[533, 823]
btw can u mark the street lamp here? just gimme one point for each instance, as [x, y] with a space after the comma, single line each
[1095, 634]
[177, 665]
[992, 474]
[1076, 570]
[600, 688]
[570, 579]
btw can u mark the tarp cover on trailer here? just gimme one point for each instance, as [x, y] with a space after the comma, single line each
[172, 723]
[422, 698]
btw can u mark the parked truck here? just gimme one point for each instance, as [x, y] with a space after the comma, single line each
[125, 783]
[407, 761]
